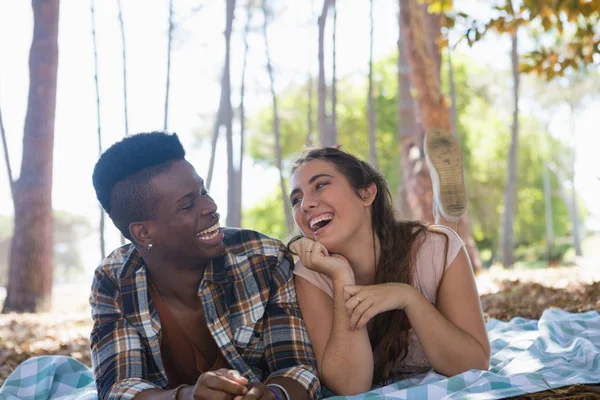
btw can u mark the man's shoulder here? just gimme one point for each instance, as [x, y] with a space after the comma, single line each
[248, 242]
[116, 261]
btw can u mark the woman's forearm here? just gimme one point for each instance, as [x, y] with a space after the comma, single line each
[449, 349]
[347, 366]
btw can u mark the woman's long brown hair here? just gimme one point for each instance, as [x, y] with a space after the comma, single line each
[399, 242]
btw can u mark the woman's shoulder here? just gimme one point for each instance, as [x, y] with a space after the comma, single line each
[435, 254]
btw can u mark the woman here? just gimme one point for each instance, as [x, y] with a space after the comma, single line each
[380, 297]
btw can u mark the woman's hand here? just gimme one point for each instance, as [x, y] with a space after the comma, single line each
[365, 302]
[315, 257]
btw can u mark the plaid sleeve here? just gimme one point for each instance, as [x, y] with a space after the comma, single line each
[118, 359]
[288, 350]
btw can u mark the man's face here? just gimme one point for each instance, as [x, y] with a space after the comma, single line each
[186, 226]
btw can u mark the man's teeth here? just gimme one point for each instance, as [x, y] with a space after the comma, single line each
[209, 233]
[319, 219]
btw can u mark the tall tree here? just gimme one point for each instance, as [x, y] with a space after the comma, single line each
[452, 94]
[168, 84]
[333, 125]
[510, 192]
[225, 112]
[408, 129]
[98, 119]
[423, 49]
[574, 209]
[370, 103]
[325, 137]
[309, 113]
[309, 88]
[548, 213]
[124, 58]
[242, 112]
[464, 225]
[31, 255]
[284, 194]
[234, 208]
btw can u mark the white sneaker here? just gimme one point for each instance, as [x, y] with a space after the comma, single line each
[445, 161]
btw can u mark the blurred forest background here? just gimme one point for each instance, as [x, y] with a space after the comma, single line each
[249, 84]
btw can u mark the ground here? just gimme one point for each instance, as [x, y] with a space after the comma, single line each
[504, 294]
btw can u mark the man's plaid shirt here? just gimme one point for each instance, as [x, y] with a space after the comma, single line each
[250, 306]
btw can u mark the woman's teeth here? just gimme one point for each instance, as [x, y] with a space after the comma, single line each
[315, 221]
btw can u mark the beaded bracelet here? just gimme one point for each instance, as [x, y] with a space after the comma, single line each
[177, 389]
[285, 393]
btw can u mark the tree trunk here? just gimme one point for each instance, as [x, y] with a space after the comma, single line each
[168, 86]
[32, 253]
[433, 24]
[99, 121]
[548, 212]
[240, 171]
[309, 88]
[416, 27]
[370, 103]
[225, 99]
[568, 200]
[215, 135]
[308, 142]
[464, 224]
[325, 138]
[333, 125]
[453, 110]
[510, 191]
[124, 51]
[575, 219]
[574, 207]
[284, 194]
[122, 26]
[234, 208]
[407, 127]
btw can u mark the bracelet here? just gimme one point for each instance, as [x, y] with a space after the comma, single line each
[177, 389]
[285, 393]
[275, 392]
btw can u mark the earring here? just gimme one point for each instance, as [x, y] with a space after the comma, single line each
[150, 246]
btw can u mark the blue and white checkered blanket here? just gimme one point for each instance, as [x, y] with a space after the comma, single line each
[527, 356]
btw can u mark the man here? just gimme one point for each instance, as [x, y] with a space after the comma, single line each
[189, 310]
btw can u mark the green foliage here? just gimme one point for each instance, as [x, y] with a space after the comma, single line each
[574, 27]
[537, 252]
[352, 134]
[485, 136]
[267, 216]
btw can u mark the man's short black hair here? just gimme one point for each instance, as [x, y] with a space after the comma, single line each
[123, 173]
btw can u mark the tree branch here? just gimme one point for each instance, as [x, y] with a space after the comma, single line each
[11, 181]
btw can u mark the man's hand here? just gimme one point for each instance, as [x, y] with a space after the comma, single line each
[222, 384]
[257, 391]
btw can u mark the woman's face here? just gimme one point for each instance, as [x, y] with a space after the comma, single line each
[325, 206]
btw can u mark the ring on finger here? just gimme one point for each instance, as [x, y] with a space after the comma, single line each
[357, 299]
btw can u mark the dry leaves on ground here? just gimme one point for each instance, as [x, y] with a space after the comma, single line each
[23, 336]
[503, 297]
